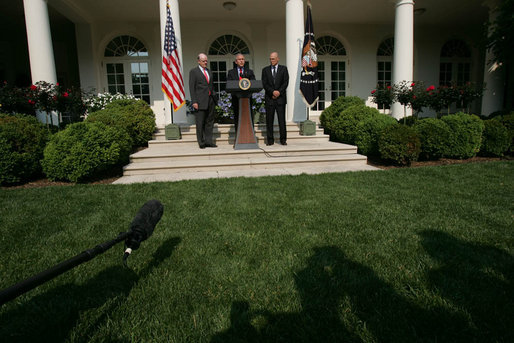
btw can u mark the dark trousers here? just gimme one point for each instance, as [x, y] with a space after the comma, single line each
[205, 124]
[270, 116]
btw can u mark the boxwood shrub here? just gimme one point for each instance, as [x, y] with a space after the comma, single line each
[399, 144]
[368, 130]
[134, 116]
[434, 135]
[466, 136]
[508, 121]
[22, 141]
[333, 111]
[344, 126]
[495, 139]
[85, 150]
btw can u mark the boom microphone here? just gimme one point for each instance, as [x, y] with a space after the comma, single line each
[142, 226]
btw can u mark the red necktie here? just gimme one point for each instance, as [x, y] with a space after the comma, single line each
[240, 73]
[206, 77]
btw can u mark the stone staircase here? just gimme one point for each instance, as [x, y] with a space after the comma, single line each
[173, 160]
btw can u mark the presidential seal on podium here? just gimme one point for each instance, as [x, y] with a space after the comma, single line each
[244, 84]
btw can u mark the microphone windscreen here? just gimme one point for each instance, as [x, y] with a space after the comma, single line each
[147, 218]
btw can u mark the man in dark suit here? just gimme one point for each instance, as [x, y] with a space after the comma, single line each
[238, 73]
[203, 98]
[275, 79]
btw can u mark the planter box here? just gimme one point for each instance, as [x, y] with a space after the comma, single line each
[172, 131]
[308, 128]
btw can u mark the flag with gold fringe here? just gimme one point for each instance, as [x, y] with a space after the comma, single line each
[172, 81]
[309, 79]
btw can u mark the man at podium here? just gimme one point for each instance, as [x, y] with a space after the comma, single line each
[239, 72]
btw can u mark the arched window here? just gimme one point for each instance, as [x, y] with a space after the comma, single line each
[455, 64]
[125, 46]
[126, 67]
[228, 45]
[331, 70]
[328, 45]
[222, 55]
[385, 54]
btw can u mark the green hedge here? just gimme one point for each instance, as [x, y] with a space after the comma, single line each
[466, 135]
[343, 128]
[399, 144]
[435, 136]
[22, 140]
[368, 130]
[495, 139]
[134, 116]
[508, 121]
[84, 151]
[333, 111]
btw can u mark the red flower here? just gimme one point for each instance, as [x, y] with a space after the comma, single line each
[414, 97]
[412, 84]
[57, 84]
[431, 88]
[65, 94]
[32, 102]
[388, 87]
[373, 91]
[33, 88]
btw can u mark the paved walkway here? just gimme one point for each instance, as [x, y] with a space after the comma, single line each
[241, 173]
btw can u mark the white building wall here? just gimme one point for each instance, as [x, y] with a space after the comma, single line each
[361, 43]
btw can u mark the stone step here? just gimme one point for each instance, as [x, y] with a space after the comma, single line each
[228, 130]
[229, 140]
[162, 153]
[244, 163]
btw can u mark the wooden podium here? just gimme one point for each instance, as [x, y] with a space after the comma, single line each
[243, 89]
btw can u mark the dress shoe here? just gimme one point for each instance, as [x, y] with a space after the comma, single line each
[283, 143]
[270, 143]
[202, 146]
[211, 145]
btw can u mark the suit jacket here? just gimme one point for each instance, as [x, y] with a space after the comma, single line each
[199, 88]
[279, 83]
[233, 74]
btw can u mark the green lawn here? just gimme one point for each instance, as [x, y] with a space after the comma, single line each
[405, 255]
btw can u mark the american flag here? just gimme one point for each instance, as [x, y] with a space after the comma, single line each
[172, 81]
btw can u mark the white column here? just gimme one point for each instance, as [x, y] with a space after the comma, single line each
[296, 109]
[403, 60]
[492, 99]
[39, 38]
[41, 52]
[180, 115]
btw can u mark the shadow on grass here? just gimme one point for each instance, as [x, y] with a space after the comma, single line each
[77, 310]
[477, 279]
[344, 301]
